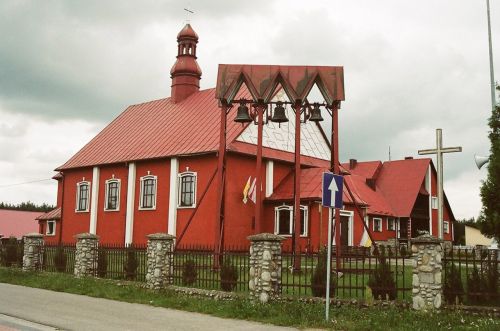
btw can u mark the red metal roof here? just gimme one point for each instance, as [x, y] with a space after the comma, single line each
[400, 182]
[157, 129]
[365, 169]
[17, 223]
[54, 214]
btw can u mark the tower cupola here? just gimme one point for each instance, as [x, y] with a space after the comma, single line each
[186, 72]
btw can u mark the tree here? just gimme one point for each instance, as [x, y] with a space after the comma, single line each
[489, 219]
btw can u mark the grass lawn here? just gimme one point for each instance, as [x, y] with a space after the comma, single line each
[288, 314]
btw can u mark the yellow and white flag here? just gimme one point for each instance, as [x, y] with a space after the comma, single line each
[252, 192]
[245, 190]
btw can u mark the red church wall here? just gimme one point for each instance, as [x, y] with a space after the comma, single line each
[111, 224]
[74, 222]
[59, 192]
[156, 220]
[42, 225]
[385, 234]
[201, 230]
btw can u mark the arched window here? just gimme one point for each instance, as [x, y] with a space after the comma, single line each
[283, 223]
[82, 196]
[148, 192]
[187, 190]
[112, 198]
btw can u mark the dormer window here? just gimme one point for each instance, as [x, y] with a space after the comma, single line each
[112, 198]
[82, 196]
[187, 190]
[148, 192]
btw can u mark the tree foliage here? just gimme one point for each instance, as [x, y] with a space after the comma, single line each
[489, 218]
[27, 206]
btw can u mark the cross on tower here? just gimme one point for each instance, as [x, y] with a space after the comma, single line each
[188, 12]
[439, 151]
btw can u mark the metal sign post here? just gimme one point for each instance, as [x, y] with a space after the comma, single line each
[332, 187]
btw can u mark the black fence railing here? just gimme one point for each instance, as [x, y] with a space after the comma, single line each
[386, 272]
[471, 276]
[59, 257]
[11, 252]
[196, 266]
[121, 261]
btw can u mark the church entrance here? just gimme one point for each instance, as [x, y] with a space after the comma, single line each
[344, 230]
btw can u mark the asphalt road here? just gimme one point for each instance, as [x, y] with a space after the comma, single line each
[26, 308]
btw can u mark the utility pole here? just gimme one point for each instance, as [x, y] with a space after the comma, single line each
[492, 76]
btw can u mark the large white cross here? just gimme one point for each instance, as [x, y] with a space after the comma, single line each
[439, 151]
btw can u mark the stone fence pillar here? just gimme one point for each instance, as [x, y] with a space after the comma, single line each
[265, 267]
[160, 260]
[86, 254]
[33, 252]
[427, 272]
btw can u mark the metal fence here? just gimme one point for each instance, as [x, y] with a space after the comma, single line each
[386, 272]
[11, 252]
[471, 276]
[195, 266]
[59, 257]
[119, 261]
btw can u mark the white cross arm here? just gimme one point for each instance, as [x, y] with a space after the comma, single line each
[441, 150]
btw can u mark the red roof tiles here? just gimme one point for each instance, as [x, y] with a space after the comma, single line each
[54, 214]
[17, 223]
[157, 129]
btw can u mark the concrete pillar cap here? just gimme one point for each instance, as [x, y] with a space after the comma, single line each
[86, 236]
[265, 237]
[160, 236]
[33, 235]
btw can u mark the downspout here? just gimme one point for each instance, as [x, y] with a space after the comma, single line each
[62, 204]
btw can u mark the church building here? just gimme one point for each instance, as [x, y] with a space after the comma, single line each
[152, 170]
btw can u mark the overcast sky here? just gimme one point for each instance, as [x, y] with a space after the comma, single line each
[67, 68]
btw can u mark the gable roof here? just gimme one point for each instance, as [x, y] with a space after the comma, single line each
[54, 214]
[400, 181]
[366, 169]
[17, 223]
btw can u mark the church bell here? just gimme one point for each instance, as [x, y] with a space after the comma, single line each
[316, 114]
[279, 115]
[242, 116]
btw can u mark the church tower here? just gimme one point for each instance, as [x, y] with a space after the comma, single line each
[186, 72]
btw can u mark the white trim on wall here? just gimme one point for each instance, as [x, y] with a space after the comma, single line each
[155, 191]
[53, 233]
[350, 214]
[129, 213]
[269, 178]
[186, 173]
[172, 197]
[106, 192]
[94, 200]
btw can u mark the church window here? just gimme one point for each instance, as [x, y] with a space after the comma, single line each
[148, 192]
[51, 228]
[283, 223]
[112, 198]
[377, 224]
[434, 203]
[391, 225]
[82, 196]
[446, 227]
[187, 189]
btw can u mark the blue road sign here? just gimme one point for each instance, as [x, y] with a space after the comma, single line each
[332, 190]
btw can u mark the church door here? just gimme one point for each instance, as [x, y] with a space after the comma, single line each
[344, 230]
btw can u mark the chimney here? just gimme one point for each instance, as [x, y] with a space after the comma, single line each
[185, 73]
[408, 157]
[352, 163]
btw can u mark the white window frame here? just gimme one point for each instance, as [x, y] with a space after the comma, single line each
[53, 233]
[379, 219]
[290, 208]
[393, 224]
[446, 227]
[83, 182]
[179, 188]
[155, 191]
[106, 192]
[434, 202]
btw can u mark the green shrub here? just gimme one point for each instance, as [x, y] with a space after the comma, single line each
[381, 281]
[490, 280]
[60, 259]
[9, 252]
[453, 289]
[228, 276]
[102, 263]
[474, 286]
[189, 273]
[131, 264]
[318, 278]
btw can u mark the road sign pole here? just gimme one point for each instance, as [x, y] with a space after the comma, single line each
[328, 269]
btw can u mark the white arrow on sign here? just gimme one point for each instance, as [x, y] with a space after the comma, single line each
[333, 189]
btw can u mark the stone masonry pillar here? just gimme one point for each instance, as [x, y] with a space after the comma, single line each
[427, 277]
[86, 254]
[265, 267]
[160, 260]
[33, 252]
